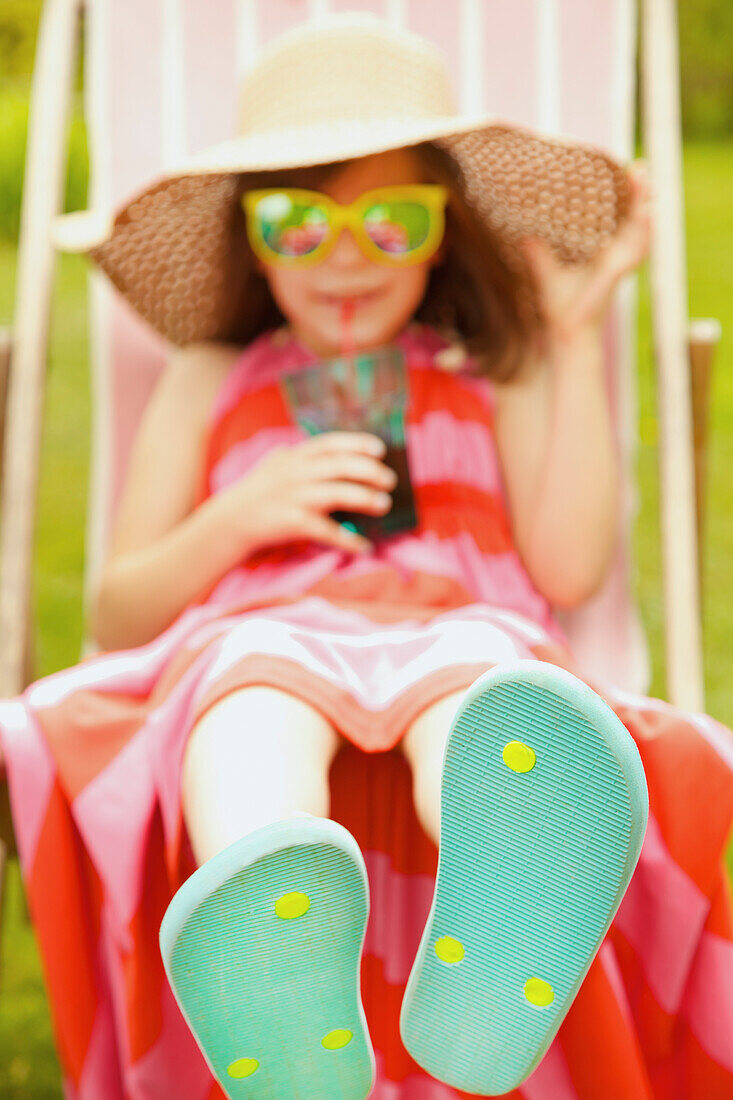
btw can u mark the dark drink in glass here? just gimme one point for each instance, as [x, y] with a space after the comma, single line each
[364, 391]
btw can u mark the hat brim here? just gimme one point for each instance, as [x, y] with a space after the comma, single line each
[301, 147]
[168, 248]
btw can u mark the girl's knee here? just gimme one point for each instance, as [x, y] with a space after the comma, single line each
[424, 742]
[424, 748]
[255, 757]
[262, 721]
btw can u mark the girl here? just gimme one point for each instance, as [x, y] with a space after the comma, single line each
[255, 633]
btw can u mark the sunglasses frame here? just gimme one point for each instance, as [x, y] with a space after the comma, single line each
[432, 196]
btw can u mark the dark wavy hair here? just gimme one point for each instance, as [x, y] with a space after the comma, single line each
[480, 291]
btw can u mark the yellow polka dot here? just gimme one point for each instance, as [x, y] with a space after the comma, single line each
[290, 906]
[449, 950]
[243, 1067]
[337, 1039]
[519, 757]
[538, 992]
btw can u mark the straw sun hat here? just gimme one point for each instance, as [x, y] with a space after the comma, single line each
[329, 91]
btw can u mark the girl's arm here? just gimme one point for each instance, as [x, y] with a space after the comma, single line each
[165, 552]
[162, 553]
[555, 439]
[553, 424]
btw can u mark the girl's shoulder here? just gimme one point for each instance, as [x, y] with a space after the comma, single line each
[209, 372]
[444, 351]
[189, 384]
[257, 365]
[198, 368]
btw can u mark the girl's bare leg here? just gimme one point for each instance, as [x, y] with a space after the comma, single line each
[255, 757]
[424, 745]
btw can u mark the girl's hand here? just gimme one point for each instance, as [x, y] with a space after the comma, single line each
[289, 494]
[575, 297]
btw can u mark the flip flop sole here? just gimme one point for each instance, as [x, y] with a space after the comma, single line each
[543, 812]
[262, 948]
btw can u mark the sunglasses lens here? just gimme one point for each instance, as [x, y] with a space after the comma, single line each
[397, 226]
[290, 227]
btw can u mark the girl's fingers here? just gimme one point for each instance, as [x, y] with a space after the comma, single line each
[641, 176]
[573, 294]
[337, 441]
[631, 244]
[353, 466]
[330, 496]
[640, 182]
[326, 530]
[540, 257]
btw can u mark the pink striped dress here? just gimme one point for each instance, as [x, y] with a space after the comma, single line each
[94, 757]
[443, 594]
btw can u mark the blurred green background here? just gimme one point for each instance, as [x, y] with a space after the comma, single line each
[28, 1066]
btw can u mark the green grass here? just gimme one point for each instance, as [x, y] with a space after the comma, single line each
[27, 1062]
[14, 106]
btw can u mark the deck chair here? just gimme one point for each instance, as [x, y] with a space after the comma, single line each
[151, 98]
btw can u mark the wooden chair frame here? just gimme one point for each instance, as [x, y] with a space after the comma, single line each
[23, 353]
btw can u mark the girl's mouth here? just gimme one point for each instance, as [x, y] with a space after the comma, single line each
[340, 301]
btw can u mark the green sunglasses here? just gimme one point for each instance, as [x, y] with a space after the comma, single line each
[396, 226]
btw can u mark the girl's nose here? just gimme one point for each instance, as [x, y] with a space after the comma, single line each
[347, 253]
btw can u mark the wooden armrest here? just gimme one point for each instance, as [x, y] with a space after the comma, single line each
[6, 349]
[5, 346]
[703, 336]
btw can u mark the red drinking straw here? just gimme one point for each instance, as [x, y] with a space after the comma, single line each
[347, 327]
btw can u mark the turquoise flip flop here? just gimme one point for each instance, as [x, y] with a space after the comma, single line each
[543, 812]
[262, 948]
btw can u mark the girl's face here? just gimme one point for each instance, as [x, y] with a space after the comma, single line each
[383, 298]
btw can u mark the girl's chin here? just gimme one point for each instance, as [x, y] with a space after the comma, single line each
[332, 340]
